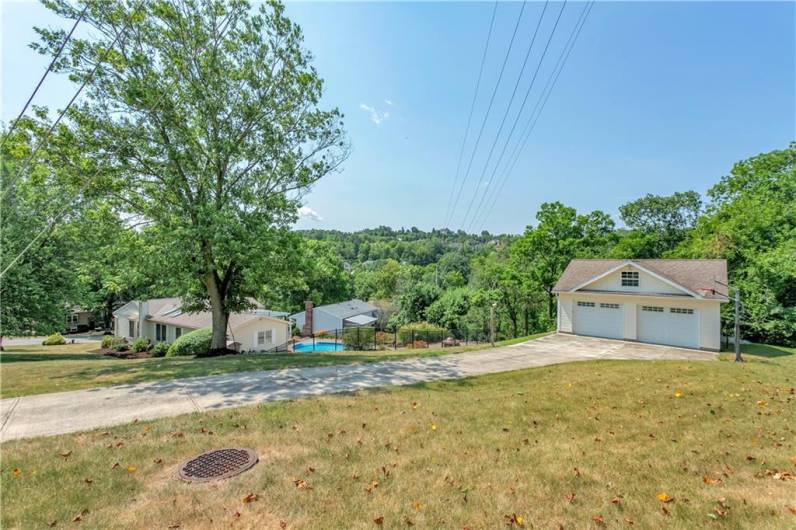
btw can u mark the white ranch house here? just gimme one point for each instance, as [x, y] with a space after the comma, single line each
[163, 320]
[661, 301]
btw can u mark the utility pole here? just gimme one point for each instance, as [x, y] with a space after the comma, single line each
[737, 338]
[738, 358]
[492, 323]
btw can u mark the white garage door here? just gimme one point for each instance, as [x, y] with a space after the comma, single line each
[599, 319]
[673, 326]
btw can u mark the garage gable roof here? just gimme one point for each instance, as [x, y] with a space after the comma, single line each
[699, 278]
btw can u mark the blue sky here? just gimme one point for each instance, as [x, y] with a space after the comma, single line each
[655, 98]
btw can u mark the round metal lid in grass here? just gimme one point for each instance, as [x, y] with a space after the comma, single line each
[217, 464]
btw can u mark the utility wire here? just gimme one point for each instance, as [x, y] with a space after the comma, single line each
[27, 161]
[534, 118]
[489, 108]
[508, 108]
[470, 116]
[49, 68]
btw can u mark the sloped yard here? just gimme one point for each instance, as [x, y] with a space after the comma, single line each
[642, 444]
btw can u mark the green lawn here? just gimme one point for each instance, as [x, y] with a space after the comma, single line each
[26, 370]
[580, 445]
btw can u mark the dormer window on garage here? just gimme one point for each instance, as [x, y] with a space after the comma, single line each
[629, 279]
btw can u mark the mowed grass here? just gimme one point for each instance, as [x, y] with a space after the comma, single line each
[580, 445]
[26, 370]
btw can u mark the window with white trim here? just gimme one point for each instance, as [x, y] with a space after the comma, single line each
[681, 310]
[131, 329]
[177, 333]
[652, 308]
[586, 304]
[160, 332]
[260, 338]
[269, 336]
[609, 306]
[629, 279]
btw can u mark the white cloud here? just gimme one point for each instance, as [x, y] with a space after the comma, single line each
[376, 116]
[389, 102]
[308, 213]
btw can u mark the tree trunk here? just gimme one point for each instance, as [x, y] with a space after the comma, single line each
[525, 315]
[550, 304]
[220, 314]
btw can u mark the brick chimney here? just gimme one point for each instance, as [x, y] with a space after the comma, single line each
[306, 331]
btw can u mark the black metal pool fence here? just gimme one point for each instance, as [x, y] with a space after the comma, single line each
[370, 338]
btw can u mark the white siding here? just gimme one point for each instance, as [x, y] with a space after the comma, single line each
[647, 283]
[708, 312]
[246, 334]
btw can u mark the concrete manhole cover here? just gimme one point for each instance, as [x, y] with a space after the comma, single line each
[217, 464]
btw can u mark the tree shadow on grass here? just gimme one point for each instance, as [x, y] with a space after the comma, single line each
[11, 357]
[764, 350]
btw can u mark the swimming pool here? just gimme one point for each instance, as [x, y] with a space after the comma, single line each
[320, 345]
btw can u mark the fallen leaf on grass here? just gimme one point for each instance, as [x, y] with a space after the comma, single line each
[301, 484]
[114, 466]
[79, 517]
[514, 519]
[577, 472]
[599, 520]
[414, 405]
[17, 472]
[791, 509]
[88, 480]
[131, 469]
[174, 526]
[408, 521]
[678, 394]
[433, 426]
[379, 520]
[665, 511]
[570, 497]
[158, 461]
[52, 524]
[283, 524]
[630, 522]
[251, 497]
[66, 454]
[707, 479]
[417, 505]
[664, 497]
[617, 500]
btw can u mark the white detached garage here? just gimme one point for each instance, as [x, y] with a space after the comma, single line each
[659, 301]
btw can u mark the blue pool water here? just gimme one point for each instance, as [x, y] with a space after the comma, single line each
[319, 346]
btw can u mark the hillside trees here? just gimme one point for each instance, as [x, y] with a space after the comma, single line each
[206, 115]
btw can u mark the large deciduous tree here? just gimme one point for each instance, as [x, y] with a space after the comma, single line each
[657, 223]
[205, 115]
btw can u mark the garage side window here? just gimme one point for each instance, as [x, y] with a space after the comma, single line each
[260, 337]
[585, 304]
[609, 306]
[681, 310]
[629, 279]
[652, 308]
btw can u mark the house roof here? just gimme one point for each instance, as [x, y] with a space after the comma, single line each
[344, 310]
[169, 311]
[361, 320]
[701, 276]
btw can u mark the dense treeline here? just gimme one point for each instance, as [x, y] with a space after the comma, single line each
[98, 259]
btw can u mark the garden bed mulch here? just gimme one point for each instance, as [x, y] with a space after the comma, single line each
[129, 354]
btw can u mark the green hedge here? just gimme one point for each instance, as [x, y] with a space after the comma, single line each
[423, 331]
[160, 349]
[140, 344]
[358, 338]
[56, 339]
[194, 343]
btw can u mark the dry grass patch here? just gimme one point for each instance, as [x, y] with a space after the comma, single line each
[582, 445]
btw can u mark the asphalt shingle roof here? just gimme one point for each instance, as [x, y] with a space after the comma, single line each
[699, 275]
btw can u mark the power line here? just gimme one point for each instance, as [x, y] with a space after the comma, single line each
[49, 131]
[49, 68]
[534, 117]
[508, 108]
[470, 116]
[489, 108]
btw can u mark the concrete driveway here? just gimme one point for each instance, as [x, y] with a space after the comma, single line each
[65, 412]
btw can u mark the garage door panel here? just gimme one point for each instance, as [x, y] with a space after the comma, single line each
[599, 320]
[672, 326]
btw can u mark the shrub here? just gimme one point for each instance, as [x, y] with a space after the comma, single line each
[122, 346]
[108, 341]
[420, 331]
[358, 338]
[56, 339]
[194, 343]
[160, 349]
[140, 344]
